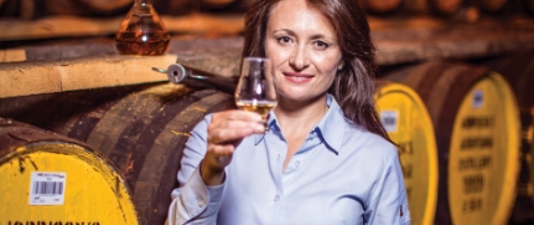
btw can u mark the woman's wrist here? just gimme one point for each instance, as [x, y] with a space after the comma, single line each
[210, 176]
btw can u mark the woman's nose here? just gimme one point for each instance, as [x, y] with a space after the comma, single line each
[299, 59]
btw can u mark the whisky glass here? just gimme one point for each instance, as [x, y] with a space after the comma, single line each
[255, 90]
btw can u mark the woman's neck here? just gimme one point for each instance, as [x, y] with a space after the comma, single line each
[300, 116]
[296, 120]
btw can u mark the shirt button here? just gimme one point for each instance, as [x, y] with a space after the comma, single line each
[276, 198]
[200, 203]
[297, 164]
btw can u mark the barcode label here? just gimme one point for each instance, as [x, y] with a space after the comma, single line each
[389, 120]
[47, 188]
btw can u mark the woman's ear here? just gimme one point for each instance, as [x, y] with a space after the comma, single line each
[340, 67]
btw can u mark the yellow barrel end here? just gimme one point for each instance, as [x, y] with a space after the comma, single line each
[408, 124]
[484, 154]
[54, 182]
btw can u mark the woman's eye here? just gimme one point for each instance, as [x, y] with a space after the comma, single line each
[283, 40]
[321, 44]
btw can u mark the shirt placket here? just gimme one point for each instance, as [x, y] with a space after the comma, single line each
[298, 160]
[278, 152]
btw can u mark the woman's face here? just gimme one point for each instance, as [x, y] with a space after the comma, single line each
[304, 50]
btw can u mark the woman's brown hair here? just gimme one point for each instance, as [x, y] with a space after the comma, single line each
[353, 86]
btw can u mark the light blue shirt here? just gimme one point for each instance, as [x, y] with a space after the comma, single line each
[342, 174]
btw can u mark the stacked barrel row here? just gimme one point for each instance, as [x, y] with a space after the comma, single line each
[481, 117]
[30, 9]
[116, 151]
[445, 7]
[518, 69]
[34, 9]
[469, 109]
[132, 136]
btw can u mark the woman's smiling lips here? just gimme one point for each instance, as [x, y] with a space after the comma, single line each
[297, 78]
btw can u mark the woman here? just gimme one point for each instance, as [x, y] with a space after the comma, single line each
[326, 158]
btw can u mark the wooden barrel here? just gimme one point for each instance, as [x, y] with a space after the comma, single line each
[380, 6]
[30, 9]
[9, 8]
[142, 130]
[216, 4]
[518, 69]
[408, 124]
[491, 5]
[88, 7]
[46, 178]
[102, 8]
[475, 117]
[529, 5]
[443, 7]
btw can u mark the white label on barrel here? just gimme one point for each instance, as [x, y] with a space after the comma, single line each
[47, 188]
[390, 120]
[478, 99]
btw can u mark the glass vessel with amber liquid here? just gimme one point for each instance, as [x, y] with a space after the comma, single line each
[142, 31]
[255, 90]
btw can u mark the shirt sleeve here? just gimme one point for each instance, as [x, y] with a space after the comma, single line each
[388, 203]
[193, 201]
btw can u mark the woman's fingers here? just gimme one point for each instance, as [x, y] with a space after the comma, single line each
[237, 115]
[225, 132]
[234, 132]
[233, 125]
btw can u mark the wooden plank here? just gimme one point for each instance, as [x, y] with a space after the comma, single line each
[73, 26]
[396, 52]
[28, 78]
[47, 69]
[424, 38]
[12, 55]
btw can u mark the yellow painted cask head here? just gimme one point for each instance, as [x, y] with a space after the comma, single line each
[518, 69]
[46, 178]
[408, 124]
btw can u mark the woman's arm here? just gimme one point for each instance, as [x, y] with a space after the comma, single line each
[208, 151]
[194, 201]
[389, 204]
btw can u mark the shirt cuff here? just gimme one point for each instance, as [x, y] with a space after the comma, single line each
[200, 198]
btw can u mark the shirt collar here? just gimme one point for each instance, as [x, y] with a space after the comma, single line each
[330, 128]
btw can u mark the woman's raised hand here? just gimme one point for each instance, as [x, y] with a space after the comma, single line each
[225, 132]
